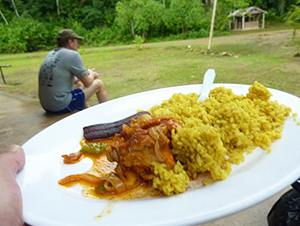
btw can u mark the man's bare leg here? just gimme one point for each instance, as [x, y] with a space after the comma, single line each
[102, 95]
[97, 87]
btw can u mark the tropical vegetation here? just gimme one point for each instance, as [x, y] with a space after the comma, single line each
[32, 25]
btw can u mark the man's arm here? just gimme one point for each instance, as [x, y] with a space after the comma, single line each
[88, 79]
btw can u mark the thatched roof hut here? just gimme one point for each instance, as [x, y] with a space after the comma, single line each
[247, 19]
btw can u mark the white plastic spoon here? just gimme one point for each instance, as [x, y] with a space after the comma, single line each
[208, 80]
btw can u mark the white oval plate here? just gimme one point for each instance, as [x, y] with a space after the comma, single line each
[46, 203]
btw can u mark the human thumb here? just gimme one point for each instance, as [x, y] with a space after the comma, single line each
[13, 160]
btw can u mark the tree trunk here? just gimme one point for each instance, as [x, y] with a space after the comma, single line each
[132, 29]
[57, 6]
[207, 3]
[3, 17]
[14, 5]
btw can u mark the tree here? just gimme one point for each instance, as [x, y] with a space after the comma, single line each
[129, 16]
[43, 10]
[57, 6]
[148, 19]
[176, 16]
[281, 7]
[15, 7]
[239, 4]
[293, 18]
[184, 15]
[3, 17]
[98, 13]
[124, 17]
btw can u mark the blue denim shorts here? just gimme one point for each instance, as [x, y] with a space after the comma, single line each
[77, 102]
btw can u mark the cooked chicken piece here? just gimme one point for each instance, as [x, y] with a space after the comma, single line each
[144, 141]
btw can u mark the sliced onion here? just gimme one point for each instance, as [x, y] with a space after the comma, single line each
[114, 184]
[154, 133]
[119, 172]
[81, 178]
[109, 187]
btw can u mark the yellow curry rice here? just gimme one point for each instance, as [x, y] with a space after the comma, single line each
[172, 181]
[218, 132]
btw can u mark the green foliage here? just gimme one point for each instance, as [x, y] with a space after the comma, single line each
[237, 4]
[98, 13]
[10, 41]
[149, 19]
[99, 36]
[104, 22]
[196, 17]
[175, 16]
[271, 16]
[183, 16]
[293, 18]
[25, 35]
[138, 40]
[280, 7]
[124, 17]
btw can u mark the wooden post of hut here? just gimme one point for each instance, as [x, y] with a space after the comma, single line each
[243, 22]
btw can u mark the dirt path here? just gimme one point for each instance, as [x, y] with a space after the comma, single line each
[270, 36]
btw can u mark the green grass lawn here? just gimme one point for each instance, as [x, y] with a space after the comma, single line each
[266, 57]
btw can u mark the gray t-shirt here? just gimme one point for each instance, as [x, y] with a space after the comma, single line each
[56, 78]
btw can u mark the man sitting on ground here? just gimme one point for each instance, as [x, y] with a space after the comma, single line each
[60, 75]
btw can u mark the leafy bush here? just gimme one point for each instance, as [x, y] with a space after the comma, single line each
[25, 35]
[271, 16]
[9, 41]
[198, 34]
[99, 36]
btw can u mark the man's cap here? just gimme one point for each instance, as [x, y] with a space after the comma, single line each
[67, 34]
